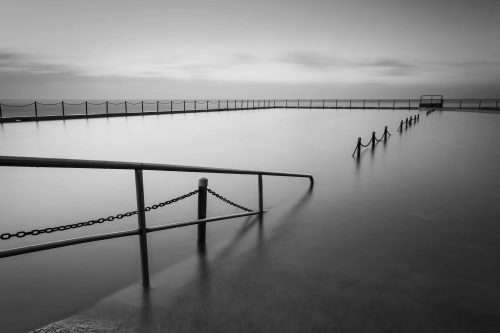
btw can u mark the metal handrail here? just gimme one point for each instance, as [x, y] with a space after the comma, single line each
[142, 230]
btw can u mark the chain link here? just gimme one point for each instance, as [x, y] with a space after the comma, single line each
[226, 200]
[35, 232]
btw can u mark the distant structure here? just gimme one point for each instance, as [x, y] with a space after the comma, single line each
[431, 101]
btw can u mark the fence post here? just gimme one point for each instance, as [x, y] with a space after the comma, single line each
[36, 111]
[261, 196]
[202, 212]
[374, 142]
[62, 109]
[358, 147]
[141, 215]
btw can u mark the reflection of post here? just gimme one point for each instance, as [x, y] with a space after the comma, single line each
[202, 212]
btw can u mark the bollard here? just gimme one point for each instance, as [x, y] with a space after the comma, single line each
[202, 212]
[358, 147]
[385, 134]
[374, 142]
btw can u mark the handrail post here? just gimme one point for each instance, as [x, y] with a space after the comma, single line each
[373, 140]
[62, 109]
[202, 212]
[141, 215]
[261, 195]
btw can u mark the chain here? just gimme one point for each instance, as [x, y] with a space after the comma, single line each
[35, 232]
[226, 200]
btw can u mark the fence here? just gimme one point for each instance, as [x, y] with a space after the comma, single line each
[143, 229]
[60, 110]
[408, 122]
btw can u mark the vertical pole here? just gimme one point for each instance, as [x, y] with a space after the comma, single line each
[406, 123]
[358, 147]
[350, 104]
[195, 105]
[227, 104]
[184, 102]
[373, 140]
[401, 126]
[157, 106]
[86, 109]
[385, 134]
[253, 103]
[1, 111]
[142, 106]
[336, 103]
[171, 105]
[409, 104]
[62, 108]
[202, 211]
[107, 107]
[141, 216]
[286, 103]
[261, 196]
[36, 111]
[125, 103]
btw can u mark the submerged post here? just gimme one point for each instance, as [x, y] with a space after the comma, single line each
[141, 217]
[374, 140]
[202, 211]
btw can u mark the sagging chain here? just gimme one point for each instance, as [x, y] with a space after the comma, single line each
[35, 232]
[226, 200]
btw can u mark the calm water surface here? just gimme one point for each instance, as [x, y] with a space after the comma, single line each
[408, 237]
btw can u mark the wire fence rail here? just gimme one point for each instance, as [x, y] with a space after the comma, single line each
[142, 209]
[58, 110]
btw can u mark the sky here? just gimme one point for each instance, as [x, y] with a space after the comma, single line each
[249, 49]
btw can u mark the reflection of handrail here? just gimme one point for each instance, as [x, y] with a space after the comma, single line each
[15, 161]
